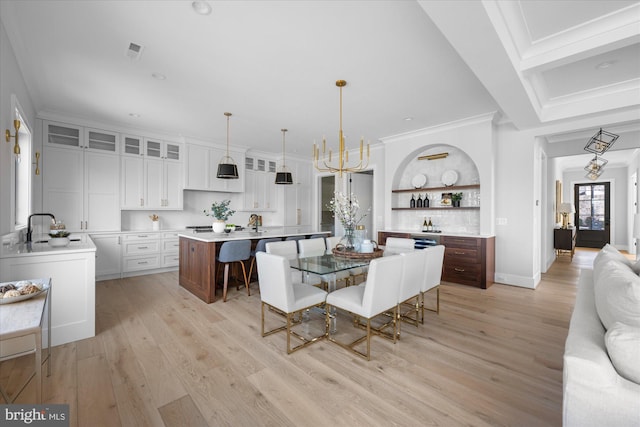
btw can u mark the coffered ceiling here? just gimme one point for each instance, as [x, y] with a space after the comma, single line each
[273, 64]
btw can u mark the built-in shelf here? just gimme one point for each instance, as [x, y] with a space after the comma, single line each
[435, 208]
[450, 188]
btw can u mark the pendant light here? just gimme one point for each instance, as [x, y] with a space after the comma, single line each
[227, 168]
[284, 175]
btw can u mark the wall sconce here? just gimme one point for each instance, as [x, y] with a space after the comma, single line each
[434, 156]
[37, 163]
[601, 142]
[8, 136]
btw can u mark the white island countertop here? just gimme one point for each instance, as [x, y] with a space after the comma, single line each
[432, 234]
[265, 233]
[82, 244]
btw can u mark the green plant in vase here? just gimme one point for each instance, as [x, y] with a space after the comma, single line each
[221, 212]
[455, 199]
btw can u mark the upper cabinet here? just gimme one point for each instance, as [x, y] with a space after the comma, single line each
[162, 150]
[70, 136]
[201, 168]
[81, 177]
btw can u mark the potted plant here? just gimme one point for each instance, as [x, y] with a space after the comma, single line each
[455, 199]
[221, 212]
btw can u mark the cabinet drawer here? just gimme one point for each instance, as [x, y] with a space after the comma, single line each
[466, 274]
[461, 255]
[172, 245]
[141, 263]
[140, 236]
[460, 242]
[142, 247]
[171, 260]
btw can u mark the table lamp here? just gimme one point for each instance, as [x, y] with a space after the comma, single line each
[565, 209]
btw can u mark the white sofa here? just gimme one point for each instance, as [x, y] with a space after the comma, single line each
[601, 374]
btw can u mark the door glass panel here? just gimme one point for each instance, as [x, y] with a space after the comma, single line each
[102, 141]
[173, 152]
[153, 149]
[591, 206]
[131, 145]
[64, 136]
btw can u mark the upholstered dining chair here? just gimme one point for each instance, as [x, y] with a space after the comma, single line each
[378, 296]
[432, 275]
[287, 249]
[260, 247]
[399, 243]
[332, 241]
[411, 282]
[278, 292]
[230, 252]
[295, 237]
[312, 247]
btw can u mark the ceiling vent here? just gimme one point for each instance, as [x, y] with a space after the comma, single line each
[134, 51]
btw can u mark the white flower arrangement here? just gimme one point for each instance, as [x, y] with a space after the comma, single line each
[345, 208]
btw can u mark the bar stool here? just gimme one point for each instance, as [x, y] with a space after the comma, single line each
[260, 247]
[234, 251]
[296, 237]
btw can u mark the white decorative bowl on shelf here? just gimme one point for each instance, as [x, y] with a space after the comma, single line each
[57, 242]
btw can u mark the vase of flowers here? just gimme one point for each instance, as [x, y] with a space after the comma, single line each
[221, 212]
[345, 209]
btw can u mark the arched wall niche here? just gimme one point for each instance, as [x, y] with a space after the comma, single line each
[453, 219]
[456, 160]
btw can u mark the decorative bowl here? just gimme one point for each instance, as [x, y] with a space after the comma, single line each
[57, 242]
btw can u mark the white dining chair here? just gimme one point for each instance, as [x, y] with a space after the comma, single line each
[432, 275]
[311, 246]
[411, 288]
[378, 296]
[280, 293]
[399, 244]
[287, 249]
[332, 241]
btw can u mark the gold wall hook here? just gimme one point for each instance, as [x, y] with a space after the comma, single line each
[37, 163]
[8, 136]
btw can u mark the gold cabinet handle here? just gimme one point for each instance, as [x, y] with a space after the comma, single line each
[459, 270]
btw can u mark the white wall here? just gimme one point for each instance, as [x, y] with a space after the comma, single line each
[11, 83]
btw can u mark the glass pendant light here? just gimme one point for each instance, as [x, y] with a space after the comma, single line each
[227, 168]
[284, 176]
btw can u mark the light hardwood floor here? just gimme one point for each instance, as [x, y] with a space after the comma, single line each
[162, 357]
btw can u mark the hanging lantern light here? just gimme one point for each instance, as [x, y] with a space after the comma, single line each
[227, 168]
[284, 176]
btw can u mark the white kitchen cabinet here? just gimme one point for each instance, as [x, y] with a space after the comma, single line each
[140, 251]
[132, 145]
[202, 166]
[260, 191]
[108, 254]
[297, 197]
[170, 249]
[151, 183]
[81, 173]
[81, 188]
[72, 287]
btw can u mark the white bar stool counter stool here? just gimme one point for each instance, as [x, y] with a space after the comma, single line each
[234, 251]
[411, 288]
[377, 296]
[280, 293]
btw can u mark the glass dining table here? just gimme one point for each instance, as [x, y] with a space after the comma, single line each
[327, 266]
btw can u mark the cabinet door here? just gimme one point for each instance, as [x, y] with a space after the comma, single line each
[132, 145]
[102, 191]
[132, 182]
[172, 185]
[100, 140]
[108, 257]
[62, 135]
[154, 183]
[198, 168]
[63, 175]
[172, 151]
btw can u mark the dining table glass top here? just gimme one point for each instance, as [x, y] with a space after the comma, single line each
[325, 263]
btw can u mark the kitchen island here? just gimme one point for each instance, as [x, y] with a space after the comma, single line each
[73, 287]
[198, 256]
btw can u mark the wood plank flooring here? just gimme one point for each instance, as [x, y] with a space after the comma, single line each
[162, 357]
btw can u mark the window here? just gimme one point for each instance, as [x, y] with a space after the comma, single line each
[591, 205]
[21, 173]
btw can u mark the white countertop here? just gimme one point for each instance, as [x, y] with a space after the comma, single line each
[241, 235]
[432, 234]
[33, 249]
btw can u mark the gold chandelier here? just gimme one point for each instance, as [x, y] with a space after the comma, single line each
[325, 163]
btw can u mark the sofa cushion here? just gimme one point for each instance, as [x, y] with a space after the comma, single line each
[608, 253]
[617, 294]
[623, 346]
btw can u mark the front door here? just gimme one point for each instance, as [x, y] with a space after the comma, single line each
[592, 214]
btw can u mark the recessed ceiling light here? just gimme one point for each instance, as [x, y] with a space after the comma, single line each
[605, 64]
[134, 115]
[158, 76]
[408, 119]
[201, 7]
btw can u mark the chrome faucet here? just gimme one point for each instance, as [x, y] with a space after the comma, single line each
[30, 230]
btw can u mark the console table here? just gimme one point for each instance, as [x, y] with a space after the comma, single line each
[564, 241]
